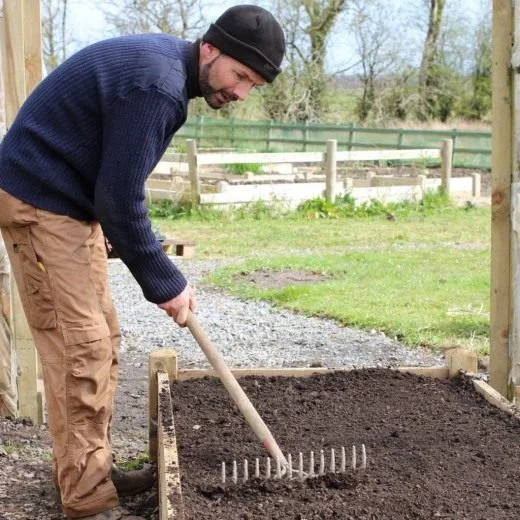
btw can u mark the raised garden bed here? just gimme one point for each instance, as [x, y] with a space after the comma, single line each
[436, 448]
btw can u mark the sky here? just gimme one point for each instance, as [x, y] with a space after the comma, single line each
[87, 25]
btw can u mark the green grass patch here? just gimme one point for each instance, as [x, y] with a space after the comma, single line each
[243, 168]
[418, 272]
[132, 464]
[437, 298]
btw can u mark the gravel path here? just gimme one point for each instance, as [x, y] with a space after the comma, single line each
[250, 334]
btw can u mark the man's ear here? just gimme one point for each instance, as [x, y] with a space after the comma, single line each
[208, 52]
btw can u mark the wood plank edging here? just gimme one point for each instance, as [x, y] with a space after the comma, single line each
[170, 491]
[195, 373]
[495, 398]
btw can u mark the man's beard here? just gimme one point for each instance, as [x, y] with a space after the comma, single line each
[215, 98]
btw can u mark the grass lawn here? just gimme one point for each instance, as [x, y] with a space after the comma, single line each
[422, 277]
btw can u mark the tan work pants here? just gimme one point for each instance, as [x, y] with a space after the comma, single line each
[60, 269]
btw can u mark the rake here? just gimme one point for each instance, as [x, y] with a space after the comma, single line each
[334, 466]
[283, 465]
[237, 393]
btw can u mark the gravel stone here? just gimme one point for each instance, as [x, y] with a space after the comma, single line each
[250, 333]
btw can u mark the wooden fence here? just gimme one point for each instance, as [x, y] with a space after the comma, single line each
[471, 149]
[291, 191]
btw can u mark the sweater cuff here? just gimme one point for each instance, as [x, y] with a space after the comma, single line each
[160, 279]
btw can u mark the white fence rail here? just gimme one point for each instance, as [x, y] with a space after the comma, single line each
[285, 188]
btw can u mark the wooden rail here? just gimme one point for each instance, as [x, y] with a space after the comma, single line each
[294, 193]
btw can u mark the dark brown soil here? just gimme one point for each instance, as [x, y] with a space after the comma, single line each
[435, 449]
[270, 279]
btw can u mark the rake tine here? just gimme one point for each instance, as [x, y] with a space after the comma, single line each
[278, 469]
[246, 470]
[235, 472]
[322, 463]
[268, 468]
[300, 466]
[363, 457]
[343, 460]
[332, 461]
[354, 461]
[223, 473]
[311, 465]
[289, 463]
[257, 468]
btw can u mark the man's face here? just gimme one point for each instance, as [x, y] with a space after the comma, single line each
[223, 79]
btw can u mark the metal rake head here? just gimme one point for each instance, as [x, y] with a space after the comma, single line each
[289, 472]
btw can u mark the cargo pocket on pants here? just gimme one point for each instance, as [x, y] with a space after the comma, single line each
[41, 310]
[89, 358]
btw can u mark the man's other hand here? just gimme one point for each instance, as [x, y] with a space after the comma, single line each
[178, 307]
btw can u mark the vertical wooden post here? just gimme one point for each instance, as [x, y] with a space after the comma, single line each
[14, 58]
[502, 167]
[269, 135]
[350, 137]
[191, 145]
[446, 164]
[32, 38]
[305, 135]
[421, 182]
[513, 380]
[476, 185]
[8, 389]
[15, 28]
[330, 170]
[3, 80]
[163, 360]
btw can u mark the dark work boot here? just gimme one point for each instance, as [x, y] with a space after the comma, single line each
[133, 481]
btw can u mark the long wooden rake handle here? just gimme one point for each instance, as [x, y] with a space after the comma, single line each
[235, 391]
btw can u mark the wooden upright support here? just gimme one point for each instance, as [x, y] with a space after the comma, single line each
[193, 171]
[22, 48]
[502, 168]
[162, 360]
[513, 380]
[446, 164]
[330, 170]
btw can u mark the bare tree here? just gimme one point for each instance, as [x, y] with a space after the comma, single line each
[54, 32]
[428, 74]
[182, 18]
[377, 47]
[480, 103]
[298, 94]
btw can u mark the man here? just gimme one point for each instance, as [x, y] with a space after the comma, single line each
[72, 167]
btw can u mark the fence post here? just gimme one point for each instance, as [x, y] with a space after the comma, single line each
[400, 139]
[191, 145]
[201, 133]
[269, 136]
[330, 170]
[305, 135]
[232, 121]
[350, 137]
[164, 360]
[475, 188]
[421, 182]
[446, 164]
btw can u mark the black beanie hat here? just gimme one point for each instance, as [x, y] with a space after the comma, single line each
[251, 35]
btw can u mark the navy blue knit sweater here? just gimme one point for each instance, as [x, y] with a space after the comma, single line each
[89, 135]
